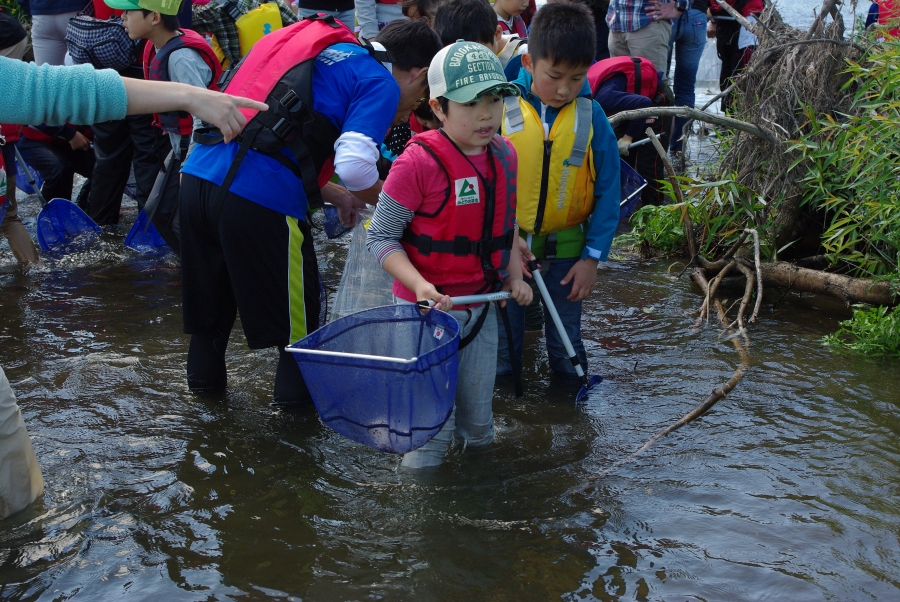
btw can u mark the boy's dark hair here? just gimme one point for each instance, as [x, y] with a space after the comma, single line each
[563, 33]
[425, 8]
[412, 43]
[444, 103]
[423, 110]
[468, 20]
[169, 22]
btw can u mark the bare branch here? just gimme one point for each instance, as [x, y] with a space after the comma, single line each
[685, 214]
[691, 113]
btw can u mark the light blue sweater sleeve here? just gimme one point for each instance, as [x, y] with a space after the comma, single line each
[56, 95]
[605, 217]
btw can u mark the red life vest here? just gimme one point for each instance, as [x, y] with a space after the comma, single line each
[518, 26]
[156, 68]
[888, 13]
[745, 7]
[455, 248]
[639, 72]
[278, 72]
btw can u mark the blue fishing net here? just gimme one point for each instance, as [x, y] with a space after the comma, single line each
[64, 228]
[393, 406]
[3, 208]
[145, 238]
[22, 180]
[630, 185]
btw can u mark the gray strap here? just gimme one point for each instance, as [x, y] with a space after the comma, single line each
[584, 116]
[515, 122]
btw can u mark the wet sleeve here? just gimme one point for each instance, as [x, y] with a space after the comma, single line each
[605, 217]
[55, 94]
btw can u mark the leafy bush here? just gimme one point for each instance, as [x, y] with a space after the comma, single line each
[871, 330]
[659, 227]
[852, 165]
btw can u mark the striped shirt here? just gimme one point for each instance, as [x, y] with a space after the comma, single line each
[628, 15]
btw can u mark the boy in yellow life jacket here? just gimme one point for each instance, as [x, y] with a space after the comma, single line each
[568, 180]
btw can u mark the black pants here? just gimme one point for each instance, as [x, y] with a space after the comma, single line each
[57, 163]
[120, 145]
[238, 256]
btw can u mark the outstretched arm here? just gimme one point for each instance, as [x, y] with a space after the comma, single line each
[221, 110]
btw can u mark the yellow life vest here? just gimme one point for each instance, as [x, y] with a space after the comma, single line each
[555, 184]
[254, 24]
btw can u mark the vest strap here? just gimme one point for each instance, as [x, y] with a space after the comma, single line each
[460, 246]
[515, 121]
[584, 116]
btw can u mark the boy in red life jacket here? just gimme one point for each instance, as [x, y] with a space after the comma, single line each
[178, 55]
[445, 226]
[509, 16]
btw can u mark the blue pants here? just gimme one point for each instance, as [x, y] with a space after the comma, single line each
[553, 271]
[688, 39]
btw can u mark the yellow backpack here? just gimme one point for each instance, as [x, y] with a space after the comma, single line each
[251, 27]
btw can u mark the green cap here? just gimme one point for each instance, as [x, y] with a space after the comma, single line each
[163, 7]
[463, 71]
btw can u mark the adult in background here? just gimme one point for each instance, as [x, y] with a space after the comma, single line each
[373, 15]
[246, 244]
[214, 18]
[734, 44]
[342, 10]
[686, 45]
[633, 31]
[49, 19]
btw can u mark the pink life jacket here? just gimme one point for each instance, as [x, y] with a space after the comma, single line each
[156, 68]
[278, 71]
[462, 246]
[639, 72]
[889, 12]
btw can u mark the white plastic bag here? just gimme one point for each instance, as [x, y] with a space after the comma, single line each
[364, 284]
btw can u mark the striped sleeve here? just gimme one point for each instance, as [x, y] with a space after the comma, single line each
[387, 227]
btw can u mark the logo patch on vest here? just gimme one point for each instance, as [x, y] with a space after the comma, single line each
[466, 191]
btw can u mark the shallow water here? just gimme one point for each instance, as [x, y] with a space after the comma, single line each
[787, 489]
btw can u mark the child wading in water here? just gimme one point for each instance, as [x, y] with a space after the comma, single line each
[445, 226]
[568, 186]
[178, 55]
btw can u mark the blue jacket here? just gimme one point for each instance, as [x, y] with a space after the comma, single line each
[51, 7]
[56, 95]
[605, 218]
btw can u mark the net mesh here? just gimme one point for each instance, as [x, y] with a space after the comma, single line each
[144, 237]
[364, 284]
[63, 228]
[630, 184]
[390, 406]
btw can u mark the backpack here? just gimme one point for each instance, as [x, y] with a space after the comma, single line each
[102, 43]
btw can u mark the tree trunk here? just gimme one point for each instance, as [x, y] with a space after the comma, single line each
[846, 288]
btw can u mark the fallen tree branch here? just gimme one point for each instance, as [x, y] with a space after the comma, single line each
[759, 278]
[846, 288]
[692, 113]
[685, 214]
[743, 20]
[748, 291]
[827, 7]
[815, 41]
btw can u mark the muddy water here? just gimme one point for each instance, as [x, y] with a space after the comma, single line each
[787, 490]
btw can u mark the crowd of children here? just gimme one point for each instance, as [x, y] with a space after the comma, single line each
[482, 141]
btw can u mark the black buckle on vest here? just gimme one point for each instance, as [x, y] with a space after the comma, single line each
[225, 78]
[423, 244]
[289, 100]
[284, 129]
[462, 246]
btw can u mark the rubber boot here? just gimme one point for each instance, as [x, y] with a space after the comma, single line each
[206, 363]
[290, 388]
